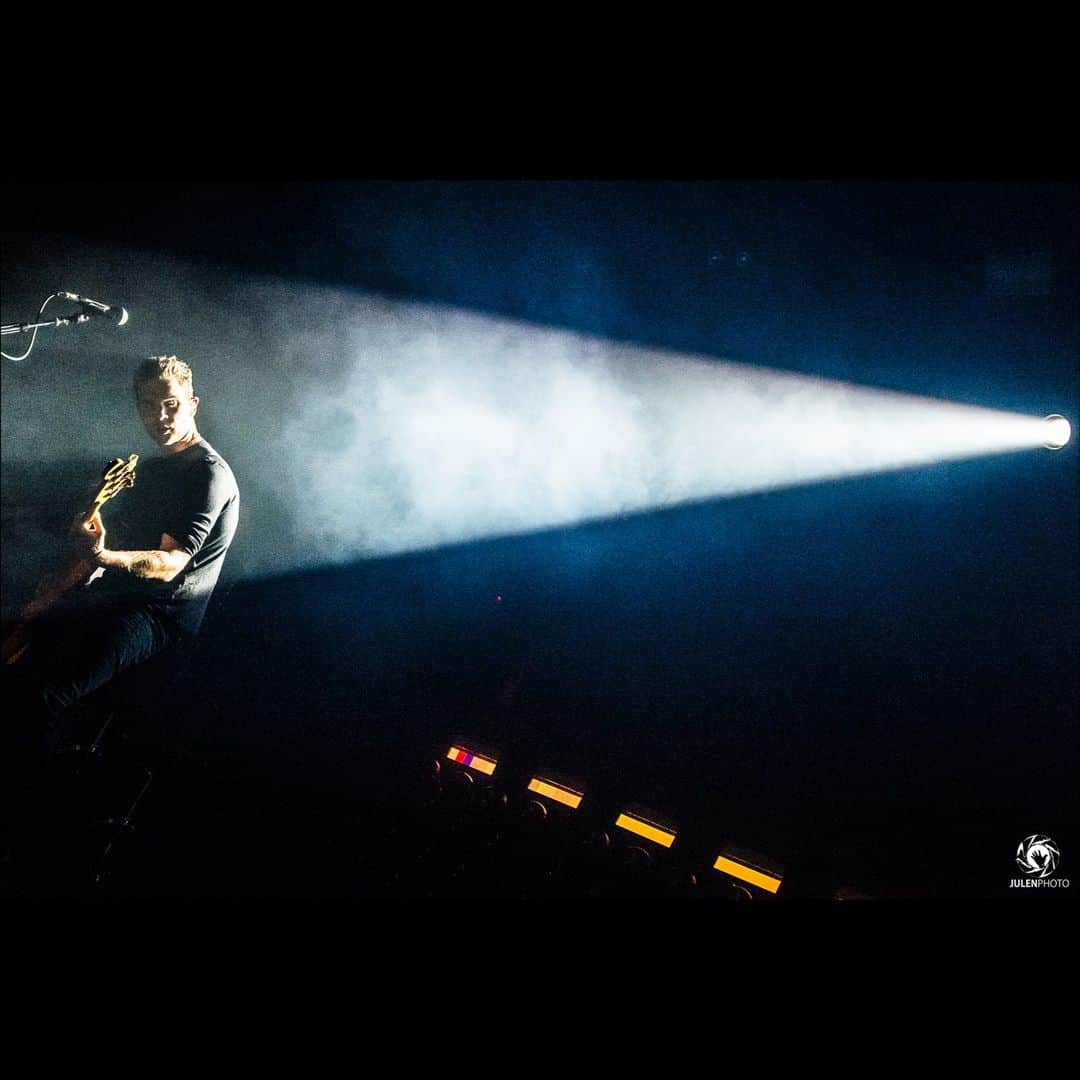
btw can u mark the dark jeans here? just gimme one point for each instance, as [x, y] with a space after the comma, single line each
[68, 659]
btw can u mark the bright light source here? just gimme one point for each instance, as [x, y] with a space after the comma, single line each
[1058, 431]
[478, 762]
[640, 826]
[744, 870]
[558, 792]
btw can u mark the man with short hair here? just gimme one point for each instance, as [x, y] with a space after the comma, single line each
[181, 516]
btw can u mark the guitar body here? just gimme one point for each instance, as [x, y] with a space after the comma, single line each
[47, 596]
[80, 571]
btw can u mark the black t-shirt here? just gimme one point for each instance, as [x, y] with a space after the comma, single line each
[193, 497]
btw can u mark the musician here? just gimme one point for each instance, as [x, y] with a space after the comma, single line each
[172, 531]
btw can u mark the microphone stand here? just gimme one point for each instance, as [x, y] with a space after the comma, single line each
[63, 320]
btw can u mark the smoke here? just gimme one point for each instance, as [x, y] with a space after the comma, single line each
[362, 426]
[451, 426]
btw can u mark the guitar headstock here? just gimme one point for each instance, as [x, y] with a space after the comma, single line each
[118, 474]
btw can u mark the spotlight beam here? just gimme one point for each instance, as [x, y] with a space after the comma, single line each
[452, 426]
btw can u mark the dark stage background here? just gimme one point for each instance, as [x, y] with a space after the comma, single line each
[871, 680]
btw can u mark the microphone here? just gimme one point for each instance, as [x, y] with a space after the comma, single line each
[118, 314]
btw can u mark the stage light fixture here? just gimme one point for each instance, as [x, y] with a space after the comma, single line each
[1058, 431]
[559, 793]
[642, 826]
[480, 763]
[750, 869]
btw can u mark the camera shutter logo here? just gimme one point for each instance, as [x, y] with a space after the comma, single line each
[1037, 856]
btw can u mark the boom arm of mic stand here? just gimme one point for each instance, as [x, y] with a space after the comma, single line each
[63, 320]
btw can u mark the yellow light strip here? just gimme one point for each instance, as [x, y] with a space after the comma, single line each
[643, 828]
[554, 791]
[747, 874]
[471, 760]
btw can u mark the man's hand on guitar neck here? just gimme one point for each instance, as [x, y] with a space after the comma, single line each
[88, 535]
